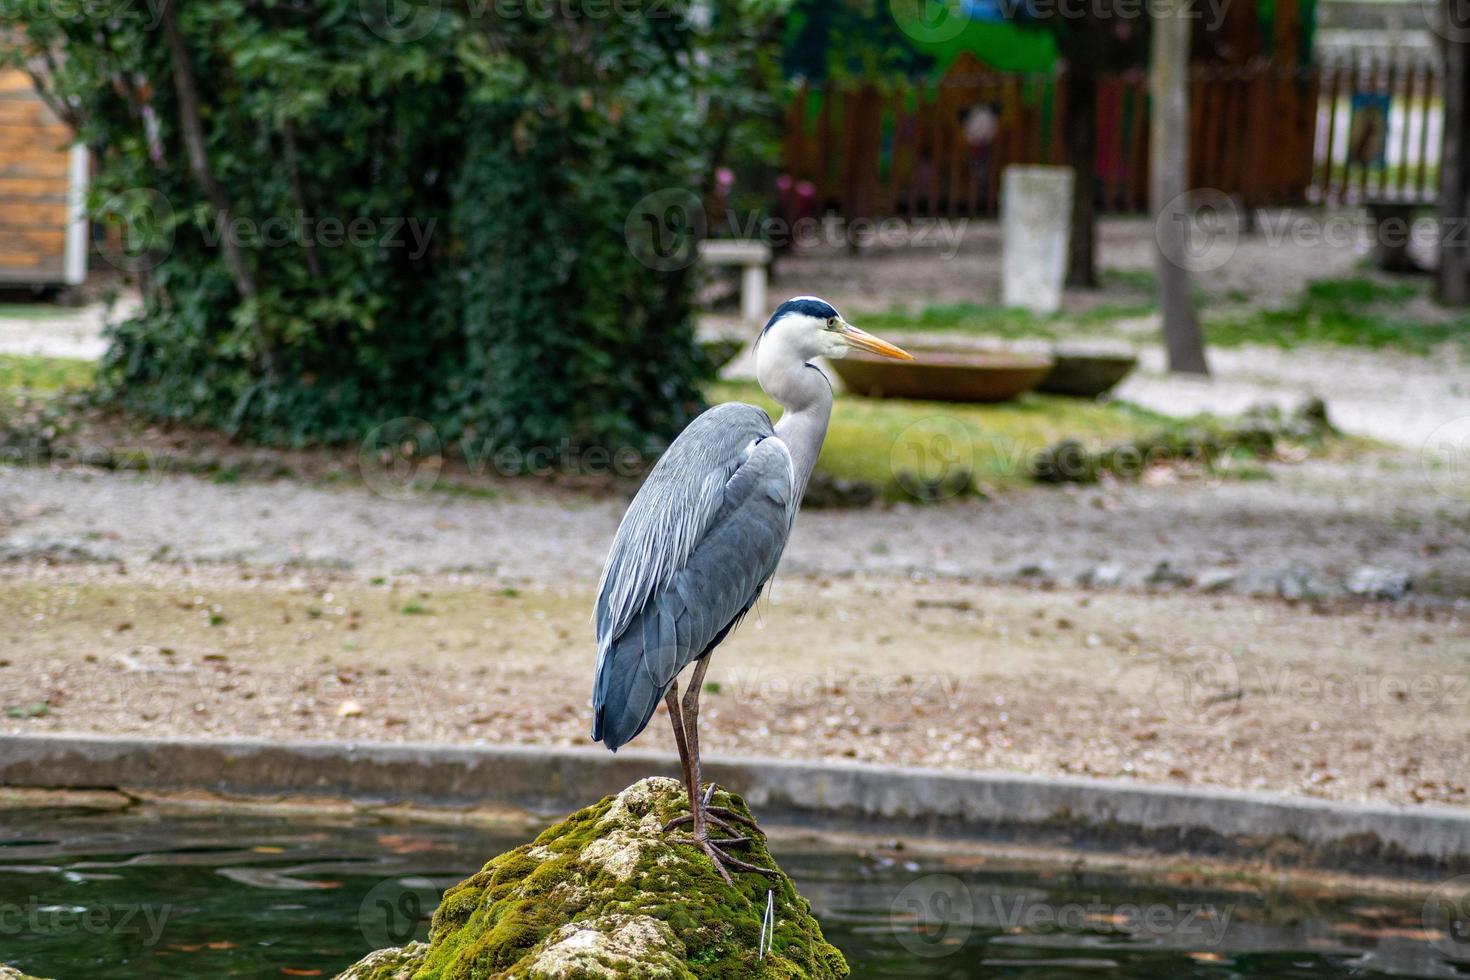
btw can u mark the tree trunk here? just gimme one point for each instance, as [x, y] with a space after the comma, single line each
[1453, 286]
[193, 133]
[1081, 143]
[1168, 164]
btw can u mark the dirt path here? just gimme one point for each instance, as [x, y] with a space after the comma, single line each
[1359, 702]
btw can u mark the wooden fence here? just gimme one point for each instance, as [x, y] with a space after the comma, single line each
[1266, 135]
[1379, 131]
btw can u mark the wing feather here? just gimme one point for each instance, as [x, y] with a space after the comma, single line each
[697, 545]
[672, 510]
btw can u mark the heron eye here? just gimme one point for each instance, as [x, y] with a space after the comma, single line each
[831, 323]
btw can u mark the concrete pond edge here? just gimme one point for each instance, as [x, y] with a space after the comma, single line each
[837, 797]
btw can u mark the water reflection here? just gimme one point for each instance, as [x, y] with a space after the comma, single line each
[146, 893]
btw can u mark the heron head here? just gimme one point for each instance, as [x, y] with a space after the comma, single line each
[812, 327]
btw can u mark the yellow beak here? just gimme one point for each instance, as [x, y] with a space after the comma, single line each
[863, 340]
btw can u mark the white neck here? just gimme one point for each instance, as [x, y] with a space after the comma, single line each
[805, 395]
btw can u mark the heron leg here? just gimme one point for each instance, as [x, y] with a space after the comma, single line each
[677, 719]
[691, 736]
[712, 813]
[685, 733]
[700, 813]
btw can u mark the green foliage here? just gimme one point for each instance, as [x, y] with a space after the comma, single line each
[1352, 312]
[431, 208]
[896, 40]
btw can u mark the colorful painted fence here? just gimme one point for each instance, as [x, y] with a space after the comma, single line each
[1266, 135]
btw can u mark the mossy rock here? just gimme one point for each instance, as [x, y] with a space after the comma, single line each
[398, 963]
[11, 973]
[605, 893]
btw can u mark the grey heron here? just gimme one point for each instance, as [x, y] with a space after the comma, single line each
[701, 539]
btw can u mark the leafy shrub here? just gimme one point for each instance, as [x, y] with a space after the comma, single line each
[429, 209]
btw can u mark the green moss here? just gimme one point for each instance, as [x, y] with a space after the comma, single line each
[606, 892]
[923, 451]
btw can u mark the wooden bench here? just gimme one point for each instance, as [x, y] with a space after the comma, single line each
[754, 258]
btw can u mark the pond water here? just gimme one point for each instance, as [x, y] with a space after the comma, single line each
[168, 894]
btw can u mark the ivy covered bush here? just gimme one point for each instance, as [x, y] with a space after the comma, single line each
[341, 212]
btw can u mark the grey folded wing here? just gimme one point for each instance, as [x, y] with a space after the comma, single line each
[696, 547]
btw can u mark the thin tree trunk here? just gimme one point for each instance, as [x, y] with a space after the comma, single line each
[193, 133]
[1169, 151]
[292, 157]
[298, 193]
[1453, 286]
[1081, 143]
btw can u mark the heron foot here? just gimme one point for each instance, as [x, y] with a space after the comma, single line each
[722, 860]
[720, 816]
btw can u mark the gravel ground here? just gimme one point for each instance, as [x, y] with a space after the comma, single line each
[1269, 266]
[1311, 529]
[1393, 398]
[73, 333]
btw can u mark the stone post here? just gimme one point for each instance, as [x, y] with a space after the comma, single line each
[1036, 217]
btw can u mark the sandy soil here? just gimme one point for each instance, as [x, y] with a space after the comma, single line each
[1362, 701]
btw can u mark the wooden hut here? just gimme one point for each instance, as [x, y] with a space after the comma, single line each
[43, 186]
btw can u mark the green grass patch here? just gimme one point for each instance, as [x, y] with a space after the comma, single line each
[35, 311]
[1011, 323]
[1346, 312]
[1350, 312]
[45, 374]
[1007, 323]
[919, 450]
